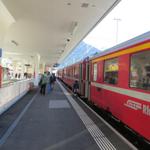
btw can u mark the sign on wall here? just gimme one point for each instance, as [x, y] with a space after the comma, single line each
[0, 52]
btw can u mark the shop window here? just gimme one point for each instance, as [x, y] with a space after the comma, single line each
[111, 71]
[140, 70]
[94, 72]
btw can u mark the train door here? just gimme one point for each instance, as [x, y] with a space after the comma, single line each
[87, 81]
[80, 79]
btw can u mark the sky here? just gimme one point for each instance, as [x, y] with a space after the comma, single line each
[133, 19]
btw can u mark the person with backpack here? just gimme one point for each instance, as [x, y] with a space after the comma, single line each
[48, 87]
[43, 83]
[54, 78]
[51, 81]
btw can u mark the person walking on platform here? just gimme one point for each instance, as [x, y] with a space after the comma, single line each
[75, 87]
[48, 87]
[54, 79]
[43, 83]
[51, 82]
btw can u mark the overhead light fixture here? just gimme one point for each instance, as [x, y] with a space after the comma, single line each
[14, 42]
[84, 5]
[68, 40]
[27, 65]
[93, 5]
[56, 65]
[69, 4]
[73, 27]
[61, 51]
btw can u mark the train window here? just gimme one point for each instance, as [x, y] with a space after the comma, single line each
[65, 72]
[70, 72]
[94, 72]
[76, 71]
[140, 70]
[111, 71]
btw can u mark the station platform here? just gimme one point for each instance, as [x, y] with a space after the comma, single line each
[56, 121]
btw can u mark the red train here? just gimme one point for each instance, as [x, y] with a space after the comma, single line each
[118, 81]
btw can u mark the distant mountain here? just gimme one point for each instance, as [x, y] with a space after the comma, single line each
[80, 52]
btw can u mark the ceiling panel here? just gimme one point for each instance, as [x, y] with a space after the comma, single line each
[43, 26]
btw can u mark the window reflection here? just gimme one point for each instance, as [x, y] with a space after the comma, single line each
[94, 72]
[140, 70]
[111, 71]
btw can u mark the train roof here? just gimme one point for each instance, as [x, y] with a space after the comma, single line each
[131, 42]
[139, 39]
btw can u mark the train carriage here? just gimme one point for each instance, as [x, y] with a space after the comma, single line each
[70, 74]
[118, 80]
[120, 83]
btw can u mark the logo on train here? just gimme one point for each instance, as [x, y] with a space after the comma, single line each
[138, 106]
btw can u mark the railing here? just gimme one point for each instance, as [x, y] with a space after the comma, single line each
[10, 94]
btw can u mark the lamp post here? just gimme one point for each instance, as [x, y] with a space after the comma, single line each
[117, 22]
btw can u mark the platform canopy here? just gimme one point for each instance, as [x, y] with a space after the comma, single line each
[51, 28]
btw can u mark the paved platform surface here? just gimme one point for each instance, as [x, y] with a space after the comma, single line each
[57, 122]
[8, 117]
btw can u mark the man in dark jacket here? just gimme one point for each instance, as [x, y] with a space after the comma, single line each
[75, 87]
[43, 83]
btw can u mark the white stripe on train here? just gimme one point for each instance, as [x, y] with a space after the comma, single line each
[131, 93]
